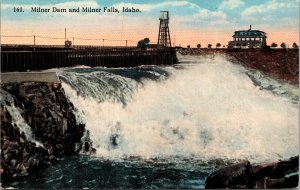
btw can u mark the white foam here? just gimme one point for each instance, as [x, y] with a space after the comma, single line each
[17, 118]
[207, 110]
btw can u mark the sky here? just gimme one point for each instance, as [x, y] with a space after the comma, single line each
[192, 22]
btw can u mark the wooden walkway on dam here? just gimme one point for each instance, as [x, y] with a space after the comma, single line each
[24, 58]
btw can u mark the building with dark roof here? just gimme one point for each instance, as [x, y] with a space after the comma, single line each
[248, 39]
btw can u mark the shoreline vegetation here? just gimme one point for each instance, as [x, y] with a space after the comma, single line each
[282, 64]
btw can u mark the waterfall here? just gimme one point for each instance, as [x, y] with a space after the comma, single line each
[203, 108]
[8, 102]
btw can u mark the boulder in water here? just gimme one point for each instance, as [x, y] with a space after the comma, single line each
[230, 177]
[280, 174]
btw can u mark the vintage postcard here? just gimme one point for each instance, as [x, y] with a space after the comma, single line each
[136, 94]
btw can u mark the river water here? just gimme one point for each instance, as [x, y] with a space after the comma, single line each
[170, 127]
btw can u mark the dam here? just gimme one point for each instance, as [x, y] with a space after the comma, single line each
[31, 57]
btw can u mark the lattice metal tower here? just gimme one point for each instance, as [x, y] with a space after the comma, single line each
[164, 33]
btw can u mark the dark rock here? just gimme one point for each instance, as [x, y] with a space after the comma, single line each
[37, 100]
[59, 146]
[87, 144]
[114, 140]
[280, 174]
[229, 176]
[50, 115]
[64, 126]
[290, 181]
[13, 162]
[52, 158]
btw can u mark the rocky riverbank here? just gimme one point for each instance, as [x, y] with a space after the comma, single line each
[282, 64]
[38, 125]
[280, 174]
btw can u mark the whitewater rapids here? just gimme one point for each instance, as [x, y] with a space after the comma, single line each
[203, 108]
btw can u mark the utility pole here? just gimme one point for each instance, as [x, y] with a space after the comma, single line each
[126, 43]
[34, 40]
[65, 34]
[103, 42]
[174, 41]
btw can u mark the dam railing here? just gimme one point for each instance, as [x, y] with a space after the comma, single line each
[24, 58]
